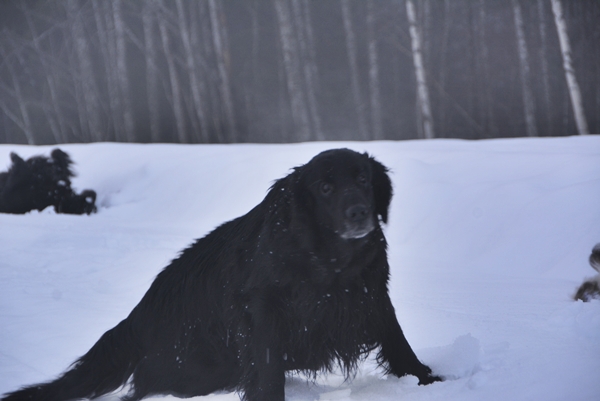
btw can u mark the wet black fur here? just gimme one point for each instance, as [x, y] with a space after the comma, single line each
[39, 182]
[276, 290]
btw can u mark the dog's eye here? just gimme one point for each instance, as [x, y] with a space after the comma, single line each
[362, 179]
[326, 188]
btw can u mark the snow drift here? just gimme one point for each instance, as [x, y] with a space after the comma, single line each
[488, 242]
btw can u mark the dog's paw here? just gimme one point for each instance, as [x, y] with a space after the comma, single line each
[428, 379]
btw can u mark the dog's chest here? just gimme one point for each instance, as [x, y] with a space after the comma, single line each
[326, 324]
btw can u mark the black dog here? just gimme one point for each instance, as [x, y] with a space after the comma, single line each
[590, 289]
[40, 182]
[297, 284]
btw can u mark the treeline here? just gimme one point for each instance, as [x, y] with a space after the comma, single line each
[216, 71]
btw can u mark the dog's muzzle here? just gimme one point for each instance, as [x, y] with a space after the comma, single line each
[358, 222]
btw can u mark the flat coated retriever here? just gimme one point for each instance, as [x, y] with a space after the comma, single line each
[297, 284]
[40, 182]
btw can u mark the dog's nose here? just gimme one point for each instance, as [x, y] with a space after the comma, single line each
[357, 212]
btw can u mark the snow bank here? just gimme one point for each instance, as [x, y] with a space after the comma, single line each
[488, 241]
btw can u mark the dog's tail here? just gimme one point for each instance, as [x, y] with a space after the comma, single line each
[595, 258]
[104, 368]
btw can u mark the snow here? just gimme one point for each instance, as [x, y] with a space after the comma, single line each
[488, 242]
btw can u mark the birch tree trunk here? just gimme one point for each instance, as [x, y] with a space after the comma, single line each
[443, 66]
[544, 65]
[151, 58]
[176, 96]
[91, 107]
[221, 47]
[423, 14]
[490, 122]
[311, 70]
[105, 28]
[528, 102]
[307, 59]
[375, 97]
[125, 92]
[283, 98]
[251, 82]
[292, 71]
[353, 64]
[211, 74]
[424, 108]
[565, 48]
[192, 70]
[196, 43]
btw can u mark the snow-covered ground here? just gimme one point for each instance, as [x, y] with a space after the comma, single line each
[488, 241]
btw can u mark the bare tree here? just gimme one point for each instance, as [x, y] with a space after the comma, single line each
[311, 61]
[212, 71]
[221, 47]
[151, 58]
[196, 84]
[198, 27]
[424, 23]
[422, 90]
[353, 64]
[283, 98]
[251, 82]
[206, 59]
[176, 93]
[105, 29]
[121, 62]
[528, 102]
[25, 121]
[490, 123]
[307, 57]
[574, 92]
[544, 63]
[444, 65]
[374, 92]
[90, 109]
[292, 71]
[55, 117]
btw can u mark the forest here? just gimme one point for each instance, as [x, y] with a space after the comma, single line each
[231, 71]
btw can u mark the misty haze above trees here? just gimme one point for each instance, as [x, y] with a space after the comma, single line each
[294, 70]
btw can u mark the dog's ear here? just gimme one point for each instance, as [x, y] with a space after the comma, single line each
[382, 188]
[62, 161]
[16, 159]
[293, 187]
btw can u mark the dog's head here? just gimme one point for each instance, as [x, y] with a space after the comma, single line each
[347, 192]
[78, 204]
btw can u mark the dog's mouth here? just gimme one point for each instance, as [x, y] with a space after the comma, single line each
[356, 231]
[357, 221]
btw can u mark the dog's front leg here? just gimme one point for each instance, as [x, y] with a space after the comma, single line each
[397, 353]
[266, 374]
